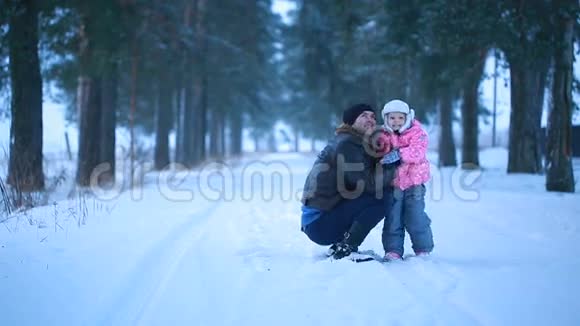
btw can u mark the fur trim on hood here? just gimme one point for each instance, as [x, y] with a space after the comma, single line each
[346, 128]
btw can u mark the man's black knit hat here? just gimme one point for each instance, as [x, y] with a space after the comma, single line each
[349, 115]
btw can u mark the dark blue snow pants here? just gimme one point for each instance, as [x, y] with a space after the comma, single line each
[331, 226]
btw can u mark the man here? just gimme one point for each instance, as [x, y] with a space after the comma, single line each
[346, 192]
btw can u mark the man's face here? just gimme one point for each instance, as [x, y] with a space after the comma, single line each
[365, 122]
[396, 120]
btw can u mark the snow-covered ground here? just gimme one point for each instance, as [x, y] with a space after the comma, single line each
[206, 250]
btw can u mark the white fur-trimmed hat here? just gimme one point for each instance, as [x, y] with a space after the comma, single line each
[401, 107]
[396, 106]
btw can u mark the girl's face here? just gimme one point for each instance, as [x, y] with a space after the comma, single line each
[395, 120]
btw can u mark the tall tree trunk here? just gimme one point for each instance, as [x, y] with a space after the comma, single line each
[109, 122]
[203, 112]
[560, 174]
[200, 85]
[447, 155]
[216, 140]
[296, 140]
[181, 84]
[89, 132]
[256, 143]
[184, 105]
[163, 123]
[470, 114]
[222, 136]
[400, 85]
[199, 123]
[178, 122]
[528, 81]
[272, 144]
[236, 133]
[189, 124]
[214, 134]
[89, 107]
[25, 164]
[132, 112]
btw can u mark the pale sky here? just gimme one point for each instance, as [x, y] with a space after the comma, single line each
[282, 7]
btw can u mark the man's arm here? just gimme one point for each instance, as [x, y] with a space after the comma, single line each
[354, 172]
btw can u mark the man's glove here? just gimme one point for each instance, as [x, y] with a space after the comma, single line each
[391, 157]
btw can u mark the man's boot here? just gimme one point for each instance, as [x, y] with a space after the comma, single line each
[352, 239]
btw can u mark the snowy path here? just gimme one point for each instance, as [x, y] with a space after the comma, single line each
[151, 274]
[499, 260]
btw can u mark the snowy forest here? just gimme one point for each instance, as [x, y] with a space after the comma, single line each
[153, 154]
[207, 70]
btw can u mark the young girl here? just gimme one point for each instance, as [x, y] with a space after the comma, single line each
[404, 142]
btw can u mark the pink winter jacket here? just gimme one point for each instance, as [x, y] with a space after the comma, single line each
[412, 145]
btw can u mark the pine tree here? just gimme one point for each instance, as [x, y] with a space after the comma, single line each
[524, 34]
[25, 166]
[97, 89]
[560, 173]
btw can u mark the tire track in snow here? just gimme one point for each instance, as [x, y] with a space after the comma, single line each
[154, 269]
[432, 286]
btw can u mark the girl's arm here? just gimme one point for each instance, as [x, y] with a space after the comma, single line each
[417, 149]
